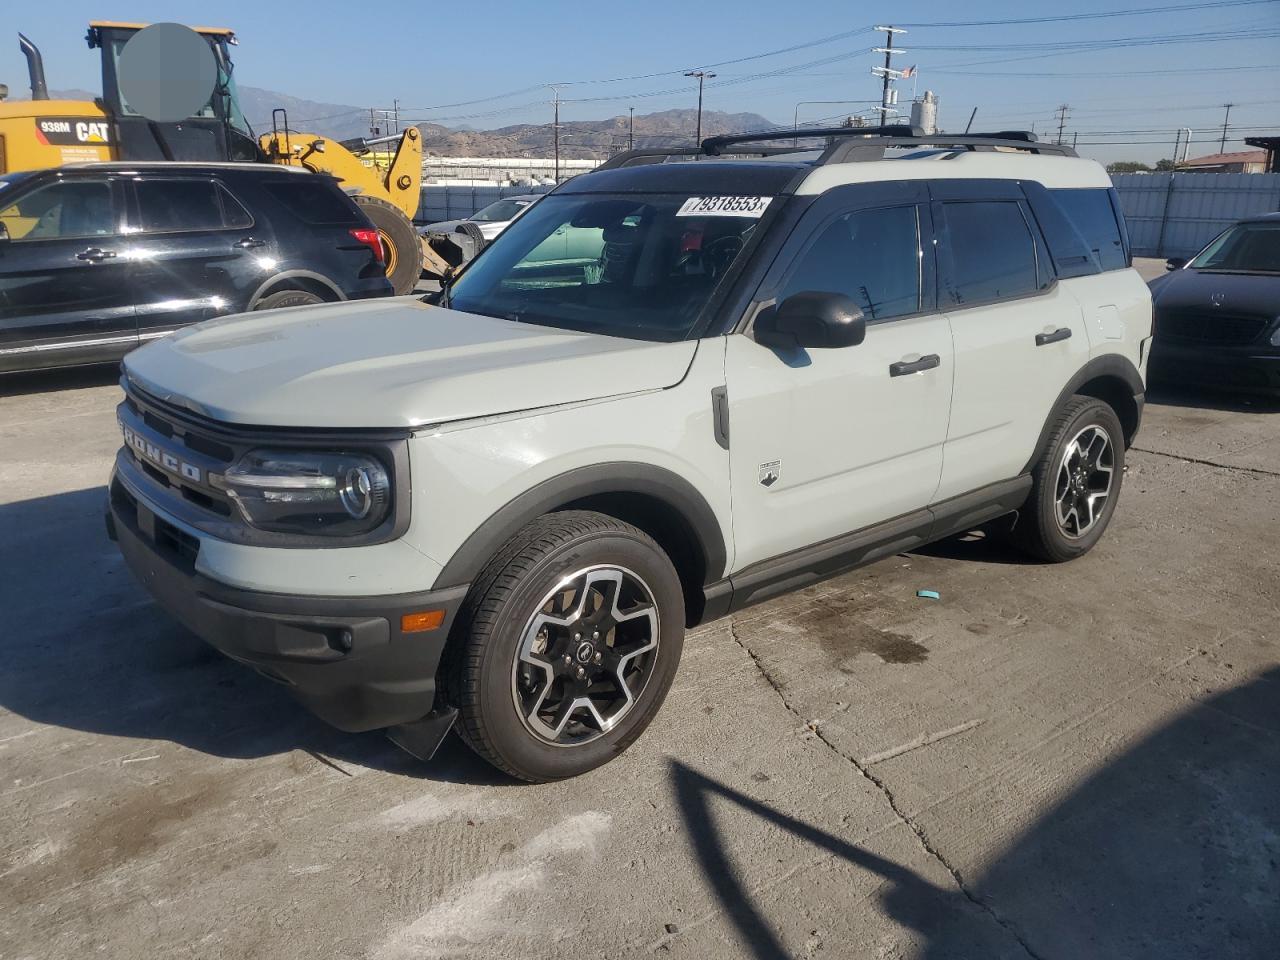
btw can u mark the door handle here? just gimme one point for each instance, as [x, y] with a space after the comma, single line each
[249, 243]
[904, 367]
[95, 254]
[1062, 333]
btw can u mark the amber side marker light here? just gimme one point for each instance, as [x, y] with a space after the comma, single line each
[421, 621]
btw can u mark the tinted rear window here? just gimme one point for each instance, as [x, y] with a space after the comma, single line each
[314, 202]
[992, 250]
[1094, 216]
[171, 205]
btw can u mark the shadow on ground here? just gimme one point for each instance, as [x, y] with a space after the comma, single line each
[1170, 852]
[48, 381]
[85, 648]
[1207, 399]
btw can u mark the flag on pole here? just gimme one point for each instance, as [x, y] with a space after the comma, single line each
[908, 72]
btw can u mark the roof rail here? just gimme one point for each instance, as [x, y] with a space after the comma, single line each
[714, 146]
[636, 158]
[845, 144]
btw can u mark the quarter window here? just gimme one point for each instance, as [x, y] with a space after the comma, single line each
[171, 205]
[1093, 215]
[992, 251]
[70, 208]
[871, 256]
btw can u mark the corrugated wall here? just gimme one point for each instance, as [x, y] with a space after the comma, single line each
[1175, 214]
[456, 202]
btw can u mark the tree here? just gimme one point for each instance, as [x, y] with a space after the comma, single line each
[1127, 166]
[1165, 165]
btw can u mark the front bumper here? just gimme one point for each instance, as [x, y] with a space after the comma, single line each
[1250, 368]
[345, 658]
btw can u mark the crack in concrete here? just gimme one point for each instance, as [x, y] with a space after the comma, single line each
[921, 836]
[1207, 463]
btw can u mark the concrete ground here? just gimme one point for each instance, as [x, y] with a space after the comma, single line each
[1049, 761]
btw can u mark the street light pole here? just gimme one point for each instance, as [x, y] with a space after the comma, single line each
[631, 130]
[701, 75]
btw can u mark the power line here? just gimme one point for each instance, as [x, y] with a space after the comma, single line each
[1132, 12]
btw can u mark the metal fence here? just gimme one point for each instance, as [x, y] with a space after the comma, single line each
[454, 202]
[1176, 214]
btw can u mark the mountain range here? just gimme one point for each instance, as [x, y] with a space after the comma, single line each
[587, 139]
[578, 138]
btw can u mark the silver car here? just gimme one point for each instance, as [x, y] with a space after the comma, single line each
[491, 220]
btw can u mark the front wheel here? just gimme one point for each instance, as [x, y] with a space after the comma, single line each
[1076, 483]
[573, 634]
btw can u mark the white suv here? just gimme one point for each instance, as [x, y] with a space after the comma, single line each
[503, 505]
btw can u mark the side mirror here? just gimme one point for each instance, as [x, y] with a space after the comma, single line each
[4, 232]
[812, 318]
[1175, 263]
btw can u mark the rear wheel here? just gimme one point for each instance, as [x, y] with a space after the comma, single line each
[287, 298]
[573, 636]
[401, 248]
[1076, 483]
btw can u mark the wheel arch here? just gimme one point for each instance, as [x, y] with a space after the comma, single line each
[663, 504]
[1112, 379]
[307, 280]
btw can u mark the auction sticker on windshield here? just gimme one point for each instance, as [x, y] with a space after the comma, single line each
[752, 207]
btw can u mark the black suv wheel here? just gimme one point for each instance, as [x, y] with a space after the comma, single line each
[573, 636]
[1076, 483]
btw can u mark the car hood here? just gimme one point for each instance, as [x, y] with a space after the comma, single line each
[391, 363]
[1233, 294]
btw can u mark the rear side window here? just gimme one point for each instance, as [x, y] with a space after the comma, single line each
[871, 256]
[313, 202]
[993, 252]
[1092, 213]
[166, 206]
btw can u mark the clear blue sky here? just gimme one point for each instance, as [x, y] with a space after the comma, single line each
[431, 55]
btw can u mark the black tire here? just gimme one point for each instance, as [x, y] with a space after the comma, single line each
[1057, 486]
[287, 298]
[484, 677]
[469, 229]
[401, 247]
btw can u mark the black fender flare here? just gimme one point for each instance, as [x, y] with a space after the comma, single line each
[619, 477]
[290, 275]
[1111, 366]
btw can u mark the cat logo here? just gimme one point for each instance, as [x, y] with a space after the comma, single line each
[72, 131]
[769, 473]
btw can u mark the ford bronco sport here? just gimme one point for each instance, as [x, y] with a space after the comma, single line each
[669, 390]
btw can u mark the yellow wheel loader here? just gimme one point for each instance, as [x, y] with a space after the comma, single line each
[41, 132]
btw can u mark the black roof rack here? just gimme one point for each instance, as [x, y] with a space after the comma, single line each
[844, 144]
[635, 158]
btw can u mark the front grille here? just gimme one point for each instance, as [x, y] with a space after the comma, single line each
[182, 456]
[1212, 328]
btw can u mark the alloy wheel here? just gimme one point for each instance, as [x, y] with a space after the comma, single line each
[586, 655]
[1084, 481]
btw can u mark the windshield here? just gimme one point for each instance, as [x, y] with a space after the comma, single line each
[500, 211]
[627, 265]
[1247, 247]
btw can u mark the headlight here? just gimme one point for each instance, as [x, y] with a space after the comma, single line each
[305, 492]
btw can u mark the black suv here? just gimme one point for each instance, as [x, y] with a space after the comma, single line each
[98, 258]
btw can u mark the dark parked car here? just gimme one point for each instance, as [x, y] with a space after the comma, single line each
[1218, 315]
[96, 259]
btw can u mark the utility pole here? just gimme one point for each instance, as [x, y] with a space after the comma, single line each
[555, 127]
[1062, 119]
[701, 75]
[631, 130]
[886, 72]
[1222, 147]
